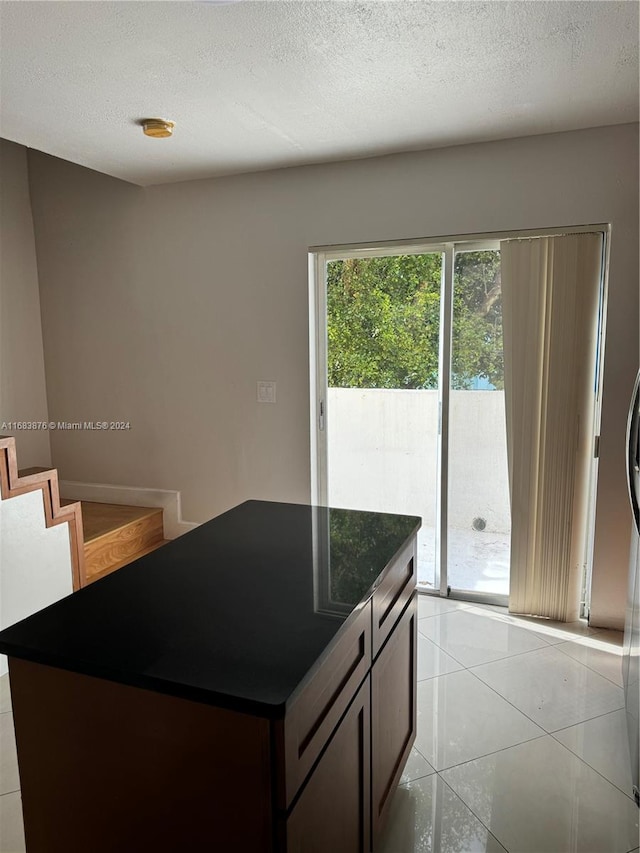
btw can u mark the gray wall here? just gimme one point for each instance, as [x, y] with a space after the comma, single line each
[22, 379]
[163, 306]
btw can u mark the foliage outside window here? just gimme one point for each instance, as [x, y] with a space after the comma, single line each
[384, 320]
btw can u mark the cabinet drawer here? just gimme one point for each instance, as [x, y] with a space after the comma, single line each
[333, 811]
[315, 712]
[394, 714]
[392, 595]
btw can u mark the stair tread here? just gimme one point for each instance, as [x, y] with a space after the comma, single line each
[26, 472]
[99, 519]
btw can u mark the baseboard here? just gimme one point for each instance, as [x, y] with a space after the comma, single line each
[608, 623]
[174, 525]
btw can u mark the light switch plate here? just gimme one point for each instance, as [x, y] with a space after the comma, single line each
[266, 392]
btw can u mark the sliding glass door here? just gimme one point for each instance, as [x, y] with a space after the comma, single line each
[381, 405]
[478, 516]
[409, 404]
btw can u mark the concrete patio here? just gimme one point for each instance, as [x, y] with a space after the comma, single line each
[478, 560]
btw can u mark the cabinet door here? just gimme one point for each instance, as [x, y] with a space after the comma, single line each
[393, 723]
[333, 812]
[391, 596]
[318, 708]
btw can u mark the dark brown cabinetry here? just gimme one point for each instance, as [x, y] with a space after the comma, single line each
[333, 812]
[393, 695]
[344, 804]
[391, 596]
[316, 711]
[328, 814]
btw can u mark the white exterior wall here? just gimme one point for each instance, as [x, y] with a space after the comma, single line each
[35, 560]
[382, 447]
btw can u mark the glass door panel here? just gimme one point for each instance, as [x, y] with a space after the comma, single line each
[383, 326]
[478, 513]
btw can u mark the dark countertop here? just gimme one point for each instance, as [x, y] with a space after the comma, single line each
[234, 613]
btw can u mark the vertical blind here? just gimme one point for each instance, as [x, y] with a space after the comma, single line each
[550, 293]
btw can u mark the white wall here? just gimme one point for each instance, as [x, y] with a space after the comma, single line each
[383, 444]
[164, 306]
[22, 379]
[35, 560]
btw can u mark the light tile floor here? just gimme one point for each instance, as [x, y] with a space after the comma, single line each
[521, 742]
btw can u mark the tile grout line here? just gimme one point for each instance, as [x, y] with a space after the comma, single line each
[504, 698]
[543, 731]
[541, 649]
[424, 757]
[466, 805]
[494, 752]
[417, 779]
[619, 686]
[446, 654]
[547, 731]
[441, 649]
[500, 696]
[506, 657]
[509, 657]
[595, 769]
[504, 749]
[582, 722]
[509, 702]
[495, 660]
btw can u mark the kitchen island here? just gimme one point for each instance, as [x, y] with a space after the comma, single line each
[250, 686]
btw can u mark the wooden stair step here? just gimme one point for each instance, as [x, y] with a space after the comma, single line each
[112, 535]
[115, 534]
[26, 472]
[99, 519]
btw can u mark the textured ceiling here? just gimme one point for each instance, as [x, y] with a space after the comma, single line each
[257, 85]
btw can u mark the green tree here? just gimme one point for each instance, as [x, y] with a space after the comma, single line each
[477, 319]
[384, 319]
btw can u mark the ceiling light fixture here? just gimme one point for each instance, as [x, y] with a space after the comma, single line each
[159, 128]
